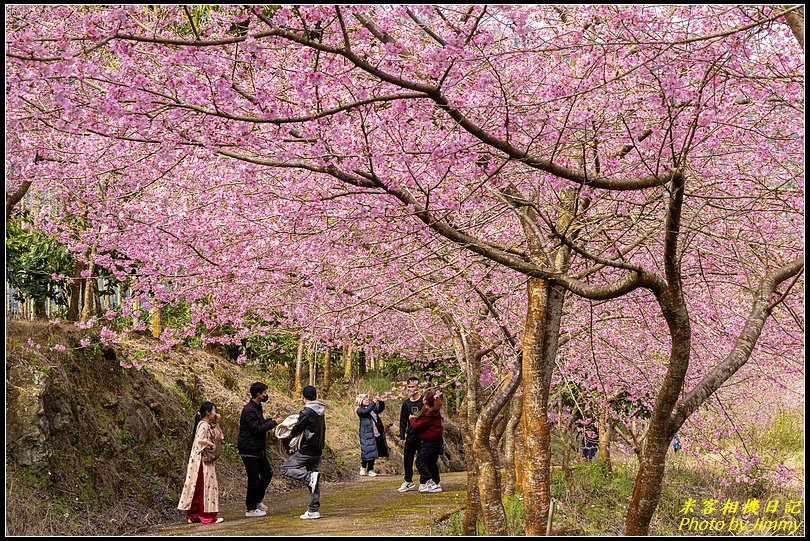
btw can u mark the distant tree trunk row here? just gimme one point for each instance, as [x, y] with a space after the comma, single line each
[319, 369]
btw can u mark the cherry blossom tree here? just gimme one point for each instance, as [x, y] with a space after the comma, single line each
[592, 151]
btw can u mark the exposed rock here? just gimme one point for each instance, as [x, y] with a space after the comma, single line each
[27, 428]
[453, 457]
[109, 401]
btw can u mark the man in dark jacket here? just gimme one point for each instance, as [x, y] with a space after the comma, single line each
[407, 437]
[312, 423]
[252, 445]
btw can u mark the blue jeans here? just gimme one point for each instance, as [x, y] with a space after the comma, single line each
[292, 469]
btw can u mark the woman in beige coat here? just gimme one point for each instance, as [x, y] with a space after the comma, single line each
[200, 497]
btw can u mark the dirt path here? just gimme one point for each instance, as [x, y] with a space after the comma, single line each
[369, 506]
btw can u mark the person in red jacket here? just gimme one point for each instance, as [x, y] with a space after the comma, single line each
[427, 423]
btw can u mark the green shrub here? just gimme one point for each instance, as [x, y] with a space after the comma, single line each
[513, 506]
[786, 434]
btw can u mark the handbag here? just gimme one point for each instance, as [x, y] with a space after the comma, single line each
[211, 452]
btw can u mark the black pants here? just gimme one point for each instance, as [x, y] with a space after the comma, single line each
[428, 461]
[259, 476]
[367, 464]
[411, 448]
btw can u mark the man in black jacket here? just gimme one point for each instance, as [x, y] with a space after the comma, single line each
[252, 445]
[407, 437]
[312, 423]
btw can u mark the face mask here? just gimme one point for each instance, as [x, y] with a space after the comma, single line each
[265, 398]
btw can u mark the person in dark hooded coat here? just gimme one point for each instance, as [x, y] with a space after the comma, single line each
[372, 433]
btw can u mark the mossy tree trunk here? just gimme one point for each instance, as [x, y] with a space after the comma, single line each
[327, 368]
[361, 362]
[89, 299]
[605, 434]
[347, 363]
[73, 313]
[40, 311]
[299, 362]
[515, 413]
[489, 478]
[545, 302]
[312, 358]
[471, 407]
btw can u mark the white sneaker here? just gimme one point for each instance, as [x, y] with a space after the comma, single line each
[313, 484]
[435, 487]
[309, 515]
[363, 471]
[423, 487]
[406, 486]
[256, 513]
[372, 473]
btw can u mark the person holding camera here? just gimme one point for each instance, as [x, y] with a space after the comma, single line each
[372, 433]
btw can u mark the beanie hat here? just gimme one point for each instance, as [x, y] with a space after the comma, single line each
[309, 392]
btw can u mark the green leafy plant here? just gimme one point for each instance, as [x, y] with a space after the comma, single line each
[32, 258]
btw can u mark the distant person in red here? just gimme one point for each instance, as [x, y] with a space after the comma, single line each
[427, 423]
[200, 497]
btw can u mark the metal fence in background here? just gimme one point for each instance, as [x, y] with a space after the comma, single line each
[25, 309]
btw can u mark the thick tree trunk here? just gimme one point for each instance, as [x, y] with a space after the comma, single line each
[668, 416]
[520, 462]
[156, 330]
[489, 490]
[566, 454]
[89, 298]
[75, 292]
[496, 438]
[312, 358]
[648, 484]
[361, 363]
[90, 286]
[489, 484]
[650, 476]
[540, 338]
[327, 369]
[299, 366]
[515, 413]
[347, 363]
[39, 309]
[463, 344]
[473, 503]
[795, 20]
[605, 434]
[19, 193]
